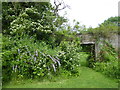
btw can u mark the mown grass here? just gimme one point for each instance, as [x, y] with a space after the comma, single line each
[88, 79]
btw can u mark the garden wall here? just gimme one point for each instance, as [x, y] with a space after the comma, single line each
[90, 39]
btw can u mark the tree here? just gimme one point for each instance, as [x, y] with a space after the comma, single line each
[36, 19]
[111, 21]
[57, 6]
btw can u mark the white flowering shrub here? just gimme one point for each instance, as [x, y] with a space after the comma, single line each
[70, 57]
[27, 59]
[33, 42]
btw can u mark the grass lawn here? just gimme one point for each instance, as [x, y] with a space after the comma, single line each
[88, 79]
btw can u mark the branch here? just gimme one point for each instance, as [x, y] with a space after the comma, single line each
[58, 5]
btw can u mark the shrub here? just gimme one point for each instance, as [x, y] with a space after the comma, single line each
[24, 58]
[28, 58]
[108, 61]
[70, 57]
[31, 42]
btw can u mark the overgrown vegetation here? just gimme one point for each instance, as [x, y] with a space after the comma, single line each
[32, 47]
[38, 44]
[107, 61]
[105, 29]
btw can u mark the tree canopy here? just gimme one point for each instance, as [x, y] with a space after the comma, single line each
[111, 21]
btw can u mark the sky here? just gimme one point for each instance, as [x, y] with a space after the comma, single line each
[90, 13]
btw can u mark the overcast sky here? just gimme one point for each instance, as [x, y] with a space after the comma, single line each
[90, 12]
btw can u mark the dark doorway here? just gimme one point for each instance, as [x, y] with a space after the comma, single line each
[89, 48]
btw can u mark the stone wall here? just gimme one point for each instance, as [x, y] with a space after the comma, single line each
[89, 39]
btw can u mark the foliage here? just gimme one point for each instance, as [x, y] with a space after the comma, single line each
[24, 58]
[112, 20]
[33, 47]
[36, 19]
[105, 29]
[108, 61]
[27, 58]
[1, 59]
[70, 56]
[37, 43]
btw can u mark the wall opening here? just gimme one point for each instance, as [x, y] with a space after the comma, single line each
[89, 49]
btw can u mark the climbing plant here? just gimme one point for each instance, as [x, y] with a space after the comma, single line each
[107, 61]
